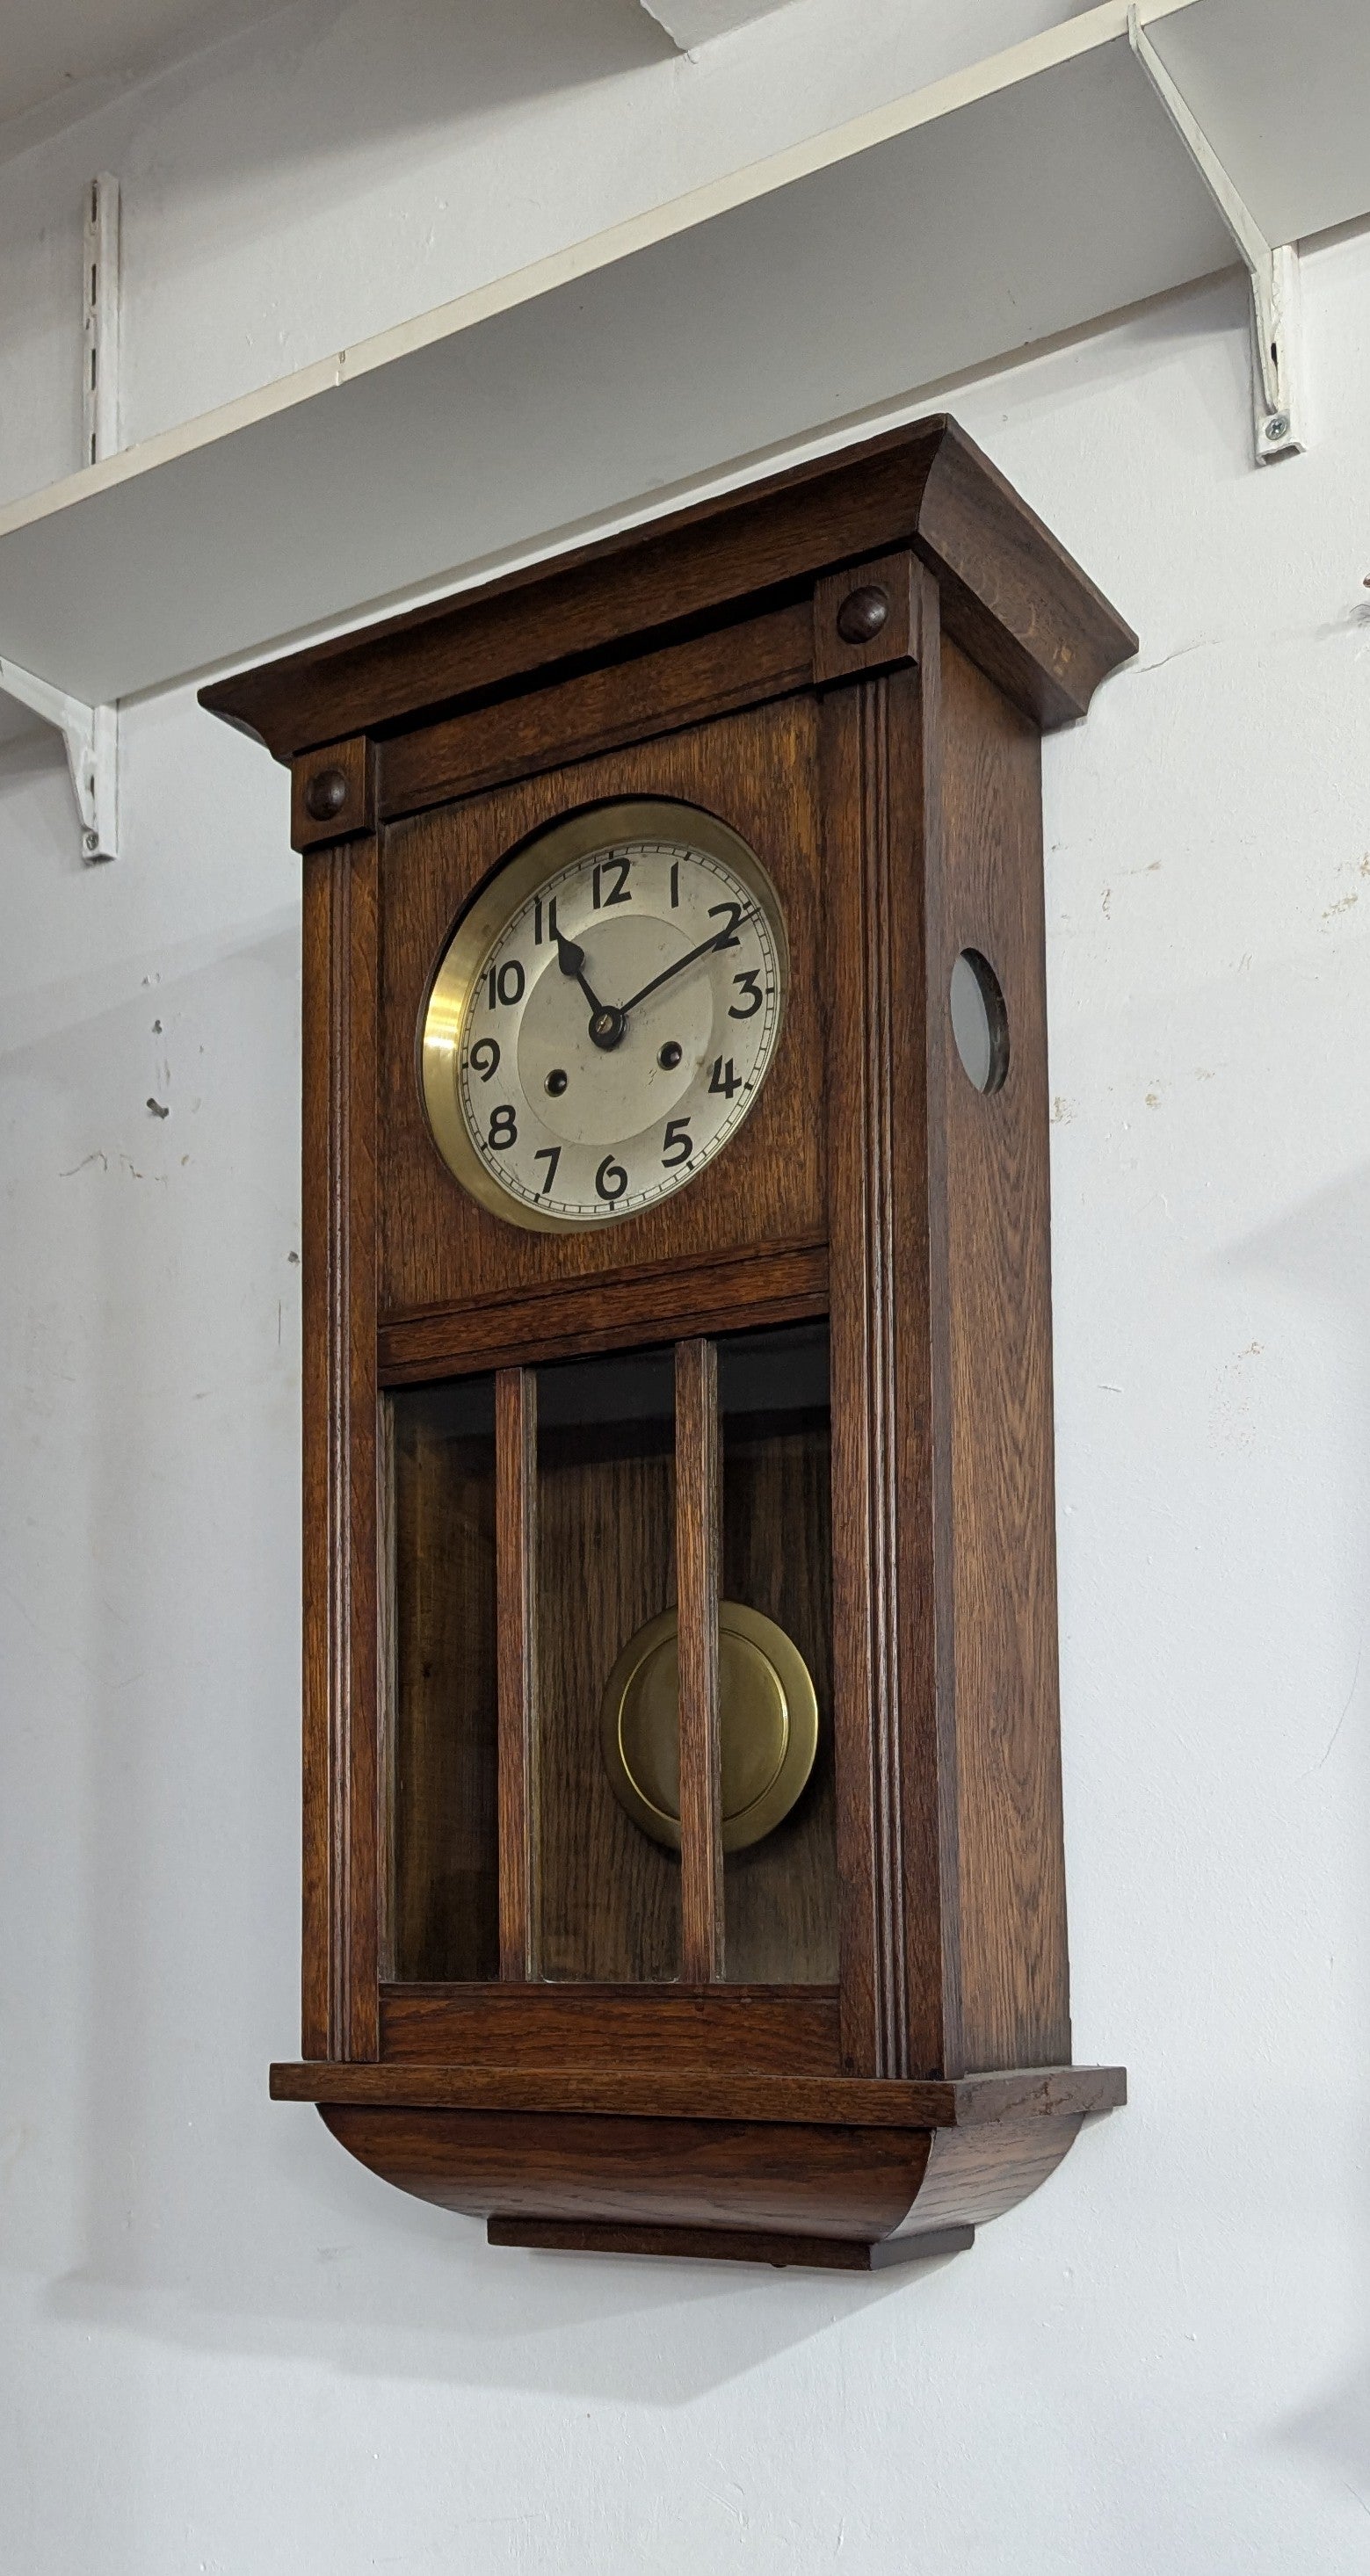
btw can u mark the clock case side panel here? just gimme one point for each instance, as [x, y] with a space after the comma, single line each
[991, 1212]
[946, 1687]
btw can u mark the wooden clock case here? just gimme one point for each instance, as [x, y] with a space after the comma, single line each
[914, 2077]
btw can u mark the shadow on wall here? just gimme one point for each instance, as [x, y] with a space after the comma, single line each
[158, 1208]
[342, 73]
[1321, 1246]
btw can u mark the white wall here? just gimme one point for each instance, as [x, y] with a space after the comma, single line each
[225, 2347]
[355, 162]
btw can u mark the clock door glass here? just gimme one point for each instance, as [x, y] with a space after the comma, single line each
[780, 1883]
[444, 1911]
[605, 1016]
[605, 1772]
[609, 1894]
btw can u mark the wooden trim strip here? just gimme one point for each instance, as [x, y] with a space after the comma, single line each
[930, 1744]
[764, 2030]
[728, 2244]
[1047, 2093]
[885, 1603]
[696, 1553]
[883, 1266]
[516, 1665]
[341, 1610]
[599, 710]
[321, 1387]
[856, 1682]
[609, 1313]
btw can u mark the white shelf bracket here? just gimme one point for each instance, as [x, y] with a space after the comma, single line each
[100, 320]
[1273, 269]
[90, 735]
[91, 739]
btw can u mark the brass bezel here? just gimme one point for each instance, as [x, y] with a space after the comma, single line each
[556, 847]
[765, 1812]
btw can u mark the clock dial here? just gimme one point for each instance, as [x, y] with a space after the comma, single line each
[605, 1015]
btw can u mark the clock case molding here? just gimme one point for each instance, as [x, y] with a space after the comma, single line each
[891, 784]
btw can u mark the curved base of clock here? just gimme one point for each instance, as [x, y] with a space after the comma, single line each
[775, 2192]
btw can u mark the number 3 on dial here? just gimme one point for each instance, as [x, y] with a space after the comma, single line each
[605, 1015]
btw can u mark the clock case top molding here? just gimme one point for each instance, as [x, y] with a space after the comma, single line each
[886, 771]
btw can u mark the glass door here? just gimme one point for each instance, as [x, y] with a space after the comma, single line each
[611, 1670]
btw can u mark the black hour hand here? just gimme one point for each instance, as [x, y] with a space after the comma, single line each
[571, 959]
[606, 1023]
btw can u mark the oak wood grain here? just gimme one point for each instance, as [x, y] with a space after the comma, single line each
[341, 1878]
[869, 2184]
[346, 773]
[728, 2244]
[616, 702]
[996, 1302]
[768, 2030]
[781, 1894]
[886, 1599]
[697, 1554]
[974, 2174]
[614, 1312]
[442, 1787]
[610, 1897]
[932, 1900]
[516, 1556]
[1029, 2100]
[895, 581]
[793, 2177]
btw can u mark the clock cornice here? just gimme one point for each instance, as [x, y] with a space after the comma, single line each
[1012, 597]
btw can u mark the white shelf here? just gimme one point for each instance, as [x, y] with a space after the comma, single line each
[1035, 193]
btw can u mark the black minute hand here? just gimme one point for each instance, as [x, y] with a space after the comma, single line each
[718, 940]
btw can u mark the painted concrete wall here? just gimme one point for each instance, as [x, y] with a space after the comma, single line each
[224, 2347]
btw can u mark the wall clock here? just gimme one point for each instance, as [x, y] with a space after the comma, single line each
[683, 1858]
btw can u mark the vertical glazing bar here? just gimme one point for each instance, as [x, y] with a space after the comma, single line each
[697, 1552]
[516, 1663]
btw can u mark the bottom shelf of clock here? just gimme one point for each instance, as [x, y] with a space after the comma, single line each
[841, 2173]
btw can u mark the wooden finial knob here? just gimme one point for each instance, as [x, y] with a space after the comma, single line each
[325, 795]
[862, 614]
